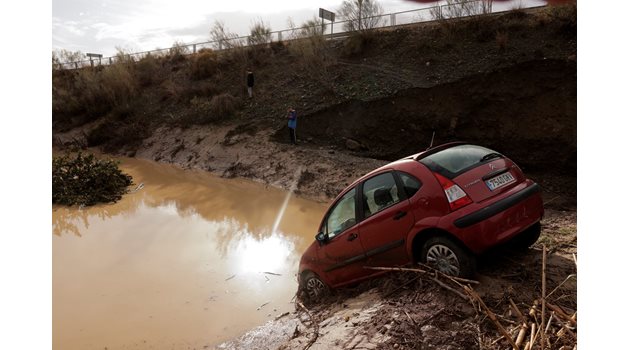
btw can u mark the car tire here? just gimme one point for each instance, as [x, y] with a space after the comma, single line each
[314, 288]
[527, 238]
[448, 257]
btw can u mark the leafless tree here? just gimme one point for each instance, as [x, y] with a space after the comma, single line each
[360, 14]
[259, 33]
[222, 37]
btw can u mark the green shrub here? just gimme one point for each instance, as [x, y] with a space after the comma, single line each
[86, 180]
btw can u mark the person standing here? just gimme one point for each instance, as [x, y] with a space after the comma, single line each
[292, 117]
[250, 82]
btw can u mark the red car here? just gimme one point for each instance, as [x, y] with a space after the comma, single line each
[441, 207]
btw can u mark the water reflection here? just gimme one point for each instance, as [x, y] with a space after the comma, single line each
[170, 265]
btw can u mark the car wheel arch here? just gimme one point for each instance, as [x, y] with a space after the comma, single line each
[420, 238]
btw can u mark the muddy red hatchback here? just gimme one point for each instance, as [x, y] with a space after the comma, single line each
[442, 207]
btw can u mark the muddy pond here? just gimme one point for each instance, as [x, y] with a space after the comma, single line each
[187, 261]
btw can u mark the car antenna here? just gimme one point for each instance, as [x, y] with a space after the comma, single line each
[432, 136]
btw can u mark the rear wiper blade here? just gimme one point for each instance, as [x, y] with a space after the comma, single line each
[490, 156]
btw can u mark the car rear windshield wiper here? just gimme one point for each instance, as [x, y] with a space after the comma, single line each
[490, 156]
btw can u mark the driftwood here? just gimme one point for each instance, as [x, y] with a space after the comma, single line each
[520, 315]
[315, 326]
[561, 314]
[560, 285]
[272, 273]
[492, 316]
[443, 285]
[521, 335]
[544, 292]
[458, 279]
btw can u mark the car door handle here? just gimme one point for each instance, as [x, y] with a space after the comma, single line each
[352, 237]
[399, 215]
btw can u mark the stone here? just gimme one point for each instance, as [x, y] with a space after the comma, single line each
[353, 145]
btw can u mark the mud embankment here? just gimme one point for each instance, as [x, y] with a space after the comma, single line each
[526, 111]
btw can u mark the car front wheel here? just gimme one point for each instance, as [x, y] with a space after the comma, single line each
[314, 288]
[447, 257]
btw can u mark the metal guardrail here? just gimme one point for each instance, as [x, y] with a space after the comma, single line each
[330, 31]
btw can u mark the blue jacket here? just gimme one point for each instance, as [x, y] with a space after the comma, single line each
[292, 119]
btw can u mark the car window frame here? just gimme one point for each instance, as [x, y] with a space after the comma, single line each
[402, 195]
[401, 183]
[324, 225]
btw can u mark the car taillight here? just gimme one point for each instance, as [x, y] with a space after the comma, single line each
[457, 198]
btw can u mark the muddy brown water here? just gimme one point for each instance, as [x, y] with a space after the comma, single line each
[187, 261]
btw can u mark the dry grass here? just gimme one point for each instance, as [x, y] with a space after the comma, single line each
[204, 65]
[224, 106]
[148, 70]
[502, 39]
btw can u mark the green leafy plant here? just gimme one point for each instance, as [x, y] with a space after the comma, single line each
[86, 180]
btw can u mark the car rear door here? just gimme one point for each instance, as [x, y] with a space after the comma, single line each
[387, 219]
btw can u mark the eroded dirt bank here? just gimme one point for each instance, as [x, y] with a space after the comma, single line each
[526, 111]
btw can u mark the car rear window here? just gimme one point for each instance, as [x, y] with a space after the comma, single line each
[455, 160]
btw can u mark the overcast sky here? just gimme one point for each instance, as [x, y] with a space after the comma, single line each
[102, 26]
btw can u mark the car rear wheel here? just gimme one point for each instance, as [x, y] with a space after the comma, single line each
[447, 257]
[315, 289]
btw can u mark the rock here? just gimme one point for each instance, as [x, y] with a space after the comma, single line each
[428, 63]
[353, 145]
[572, 58]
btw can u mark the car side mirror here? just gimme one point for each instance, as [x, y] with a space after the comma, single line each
[321, 237]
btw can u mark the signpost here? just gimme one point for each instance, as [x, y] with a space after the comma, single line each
[94, 55]
[327, 15]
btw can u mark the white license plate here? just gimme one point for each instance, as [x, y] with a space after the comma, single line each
[499, 181]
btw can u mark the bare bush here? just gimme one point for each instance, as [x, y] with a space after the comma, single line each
[204, 64]
[463, 8]
[169, 90]
[147, 70]
[259, 33]
[360, 15]
[118, 84]
[223, 38]
[62, 57]
[223, 106]
[178, 52]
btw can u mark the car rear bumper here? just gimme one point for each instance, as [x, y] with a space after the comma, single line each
[497, 207]
[500, 221]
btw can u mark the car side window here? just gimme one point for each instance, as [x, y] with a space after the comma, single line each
[379, 193]
[342, 216]
[410, 184]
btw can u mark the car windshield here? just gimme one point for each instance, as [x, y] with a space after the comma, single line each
[453, 161]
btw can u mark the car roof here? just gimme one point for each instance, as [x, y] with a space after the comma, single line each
[395, 164]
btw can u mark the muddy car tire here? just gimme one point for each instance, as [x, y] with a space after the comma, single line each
[448, 257]
[527, 238]
[314, 288]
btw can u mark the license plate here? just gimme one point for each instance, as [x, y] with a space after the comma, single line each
[500, 180]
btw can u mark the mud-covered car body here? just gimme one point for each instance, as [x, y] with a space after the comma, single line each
[443, 206]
